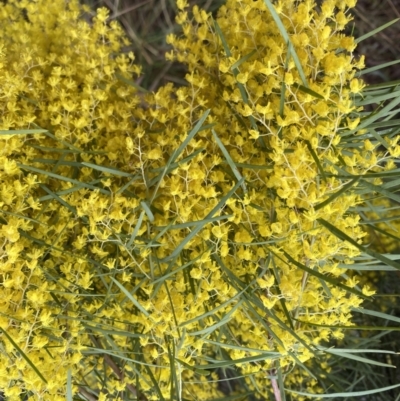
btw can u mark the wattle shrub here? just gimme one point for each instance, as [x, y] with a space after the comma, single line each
[152, 240]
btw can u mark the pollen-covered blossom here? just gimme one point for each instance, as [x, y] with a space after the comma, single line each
[112, 239]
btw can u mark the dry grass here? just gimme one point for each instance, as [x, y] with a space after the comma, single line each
[147, 22]
[385, 46]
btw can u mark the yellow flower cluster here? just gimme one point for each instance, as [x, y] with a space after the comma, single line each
[182, 227]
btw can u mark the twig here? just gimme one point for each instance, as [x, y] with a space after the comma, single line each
[275, 388]
[115, 368]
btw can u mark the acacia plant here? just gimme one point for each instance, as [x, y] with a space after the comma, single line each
[195, 242]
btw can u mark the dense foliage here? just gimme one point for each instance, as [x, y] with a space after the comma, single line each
[151, 241]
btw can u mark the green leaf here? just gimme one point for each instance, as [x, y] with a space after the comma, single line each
[222, 37]
[337, 193]
[324, 277]
[375, 31]
[308, 91]
[376, 314]
[62, 178]
[286, 38]
[381, 189]
[254, 166]
[340, 234]
[107, 170]
[23, 354]
[197, 229]
[69, 385]
[201, 372]
[229, 159]
[179, 150]
[376, 68]
[22, 131]
[241, 396]
[242, 60]
[136, 229]
[130, 297]
[357, 358]
[72, 209]
[192, 223]
[280, 381]
[147, 210]
[355, 327]
[222, 322]
[345, 395]
[239, 347]
[213, 311]
[366, 123]
[228, 363]
[317, 162]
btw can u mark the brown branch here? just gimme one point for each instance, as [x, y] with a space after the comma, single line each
[87, 395]
[275, 388]
[120, 375]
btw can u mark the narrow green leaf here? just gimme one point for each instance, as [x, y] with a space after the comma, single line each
[353, 327]
[213, 311]
[345, 395]
[376, 68]
[128, 184]
[308, 91]
[21, 217]
[201, 372]
[376, 314]
[378, 99]
[107, 170]
[22, 131]
[286, 38]
[380, 139]
[383, 86]
[72, 209]
[381, 189]
[239, 347]
[130, 297]
[340, 234]
[280, 381]
[366, 123]
[242, 60]
[317, 162]
[357, 358]
[229, 159]
[63, 142]
[136, 229]
[228, 363]
[223, 40]
[241, 87]
[337, 193]
[66, 191]
[170, 273]
[241, 396]
[69, 385]
[358, 350]
[147, 210]
[193, 223]
[197, 229]
[375, 31]
[222, 322]
[62, 178]
[325, 277]
[23, 354]
[178, 151]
